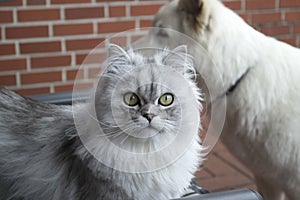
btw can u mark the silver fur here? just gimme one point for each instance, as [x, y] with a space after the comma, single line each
[42, 157]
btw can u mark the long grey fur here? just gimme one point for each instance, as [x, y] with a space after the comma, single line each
[38, 142]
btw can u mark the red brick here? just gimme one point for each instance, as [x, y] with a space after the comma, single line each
[94, 72]
[36, 2]
[117, 11]
[138, 10]
[266, 17]
[203, 174]
[292, 41]
[91, 59]
[51, 61]
[292, 16]
[245, 17]
[121, 41]
[257, 27]
[134, 38]
[297, 28]
[145, 23]
[40, 47]
[73, 29]
[259, 4]
[229, 158]
[79, 44]
[233, 175]
[84, 86]
[225, 182]
[7, 49]
[217, 166]
[41, 77]
[276, 30]
[84, 13]
[64, 88]
[113, 27]
[6, 16]
[33, 91]
[69, 87]
[8, 80]
[26, 32]
[219, 147]
[38, 15]
[289, 3]
[75, 74]
[11, 3]
[13, 64]
[69, 1]
[234, 5]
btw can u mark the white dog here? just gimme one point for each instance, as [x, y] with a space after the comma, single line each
[262, 79]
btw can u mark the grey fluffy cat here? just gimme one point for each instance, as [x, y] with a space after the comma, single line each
[141, 142]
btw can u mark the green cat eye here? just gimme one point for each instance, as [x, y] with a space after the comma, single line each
[166, 99]
[131, 99]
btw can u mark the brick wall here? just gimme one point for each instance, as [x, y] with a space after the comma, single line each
[43, 42]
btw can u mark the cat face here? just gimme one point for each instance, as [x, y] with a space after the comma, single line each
[143, 107]
[144, 98]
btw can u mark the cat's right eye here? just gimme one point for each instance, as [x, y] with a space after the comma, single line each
[131, 99]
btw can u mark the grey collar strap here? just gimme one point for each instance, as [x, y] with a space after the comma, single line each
[237, 82]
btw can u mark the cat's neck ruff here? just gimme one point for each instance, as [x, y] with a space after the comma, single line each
[134, 183]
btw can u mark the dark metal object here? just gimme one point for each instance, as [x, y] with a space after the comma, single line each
[3, 1]
[197, 188]
[62, 98]
[241, 194]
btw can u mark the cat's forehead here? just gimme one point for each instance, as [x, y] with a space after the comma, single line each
[149, 73]
[151, 80]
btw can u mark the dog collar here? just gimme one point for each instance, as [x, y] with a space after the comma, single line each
[233, 86]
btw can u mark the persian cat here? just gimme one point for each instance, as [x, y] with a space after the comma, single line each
[136, 138]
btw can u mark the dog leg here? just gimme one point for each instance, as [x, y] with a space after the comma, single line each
[269, 191]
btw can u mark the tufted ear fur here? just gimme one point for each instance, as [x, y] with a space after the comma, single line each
[191, 7]
[179, 54]
[179, 59]
[117, 59]
[115, 50]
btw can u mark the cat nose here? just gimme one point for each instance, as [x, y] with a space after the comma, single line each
[149, 116]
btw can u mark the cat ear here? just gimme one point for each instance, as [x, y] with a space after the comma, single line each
[179, 59]
[115, 51]
[117, 58]
[176, 56]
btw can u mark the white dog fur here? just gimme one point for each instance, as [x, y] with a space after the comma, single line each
[262, 126]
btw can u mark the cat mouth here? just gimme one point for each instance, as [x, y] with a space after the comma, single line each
[147, 131]
[152, 127]
[157, 130]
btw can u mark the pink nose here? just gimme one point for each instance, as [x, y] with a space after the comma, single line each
[149, 117]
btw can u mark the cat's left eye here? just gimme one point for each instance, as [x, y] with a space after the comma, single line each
[131, 99]
[166, 99]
